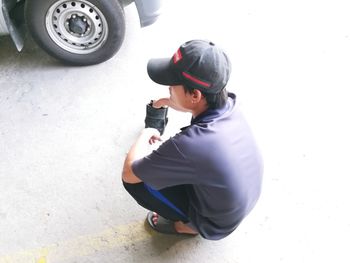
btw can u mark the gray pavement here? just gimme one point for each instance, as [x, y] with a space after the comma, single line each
[64, 133]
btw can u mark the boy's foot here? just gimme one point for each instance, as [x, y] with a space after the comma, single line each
[165, 226]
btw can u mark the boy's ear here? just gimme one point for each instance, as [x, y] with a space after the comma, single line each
[196, 95]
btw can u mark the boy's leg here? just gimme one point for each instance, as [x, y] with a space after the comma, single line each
[171, 203]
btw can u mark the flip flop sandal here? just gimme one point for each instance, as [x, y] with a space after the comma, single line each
[164, 226]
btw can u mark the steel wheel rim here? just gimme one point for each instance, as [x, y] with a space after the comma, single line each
[59, 21]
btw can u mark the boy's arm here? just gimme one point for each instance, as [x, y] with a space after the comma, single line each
[138, 150]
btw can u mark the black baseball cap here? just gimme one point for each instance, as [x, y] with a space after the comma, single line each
[197, 64]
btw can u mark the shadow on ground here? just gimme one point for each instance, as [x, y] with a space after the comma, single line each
[31, 55]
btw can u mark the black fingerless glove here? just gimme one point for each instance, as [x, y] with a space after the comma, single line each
[156, 118]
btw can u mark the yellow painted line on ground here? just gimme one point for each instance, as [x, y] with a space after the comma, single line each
[42, 260]
[82, 246]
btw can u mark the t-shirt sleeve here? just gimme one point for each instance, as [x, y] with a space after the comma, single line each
[167, 166]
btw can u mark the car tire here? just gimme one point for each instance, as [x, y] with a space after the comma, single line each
[77, 32]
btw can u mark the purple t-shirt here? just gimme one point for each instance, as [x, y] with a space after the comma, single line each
[218, 157]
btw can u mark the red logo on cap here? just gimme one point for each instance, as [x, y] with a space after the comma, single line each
[177, 56]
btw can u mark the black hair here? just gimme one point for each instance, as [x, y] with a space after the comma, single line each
[214, 101]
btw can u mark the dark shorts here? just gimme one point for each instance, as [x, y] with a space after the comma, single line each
[171, 203]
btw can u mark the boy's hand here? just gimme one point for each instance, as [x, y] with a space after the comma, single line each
[164, 102]
[156, 117]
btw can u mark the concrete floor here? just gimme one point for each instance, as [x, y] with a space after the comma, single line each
[64, 132]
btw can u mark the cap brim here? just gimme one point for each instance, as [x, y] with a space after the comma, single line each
[160, 71]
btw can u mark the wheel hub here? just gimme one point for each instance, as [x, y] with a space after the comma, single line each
[78, 25]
